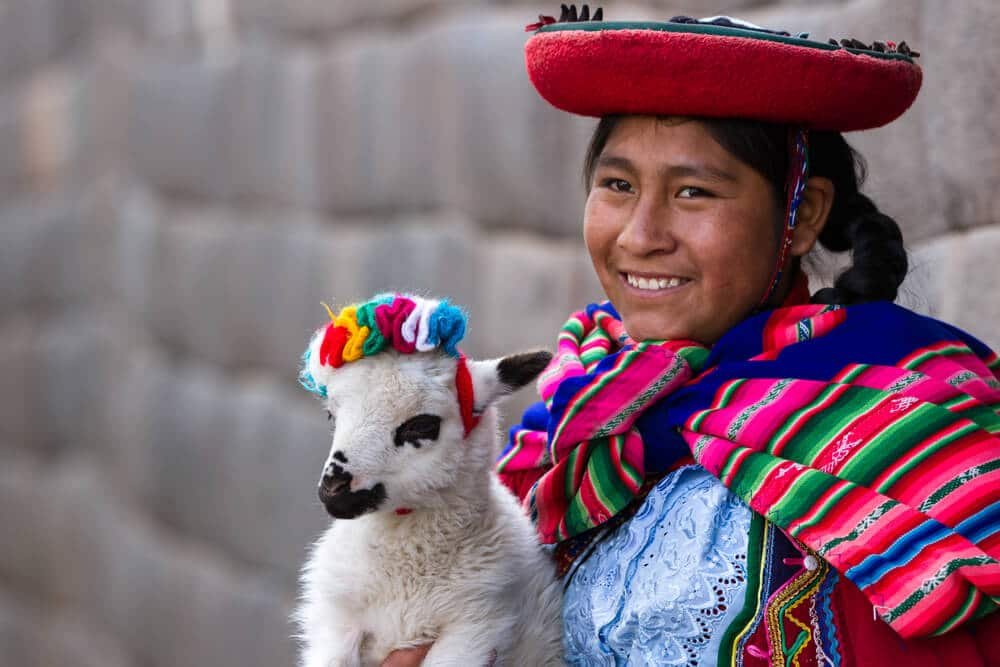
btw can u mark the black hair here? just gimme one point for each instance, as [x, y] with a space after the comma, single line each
[879, 261]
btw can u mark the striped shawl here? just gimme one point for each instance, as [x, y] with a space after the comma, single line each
[869, 434]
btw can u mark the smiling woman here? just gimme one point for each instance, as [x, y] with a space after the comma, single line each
[734, 470]
[683, 235]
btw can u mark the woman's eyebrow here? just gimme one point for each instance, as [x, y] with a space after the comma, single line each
[672, 170]
[615, 162]
[699, 170]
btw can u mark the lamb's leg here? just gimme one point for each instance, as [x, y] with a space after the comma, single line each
[337, 647]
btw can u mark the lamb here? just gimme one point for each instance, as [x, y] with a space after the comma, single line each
[426, 544]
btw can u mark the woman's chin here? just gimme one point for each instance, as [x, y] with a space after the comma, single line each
[658, 326]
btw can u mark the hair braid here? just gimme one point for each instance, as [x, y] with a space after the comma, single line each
[878, 259]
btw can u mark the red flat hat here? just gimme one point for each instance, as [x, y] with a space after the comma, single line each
[718, 68]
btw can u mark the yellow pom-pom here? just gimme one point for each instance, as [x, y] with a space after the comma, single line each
[348, 318]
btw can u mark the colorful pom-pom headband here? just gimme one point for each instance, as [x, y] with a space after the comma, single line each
[404, 323]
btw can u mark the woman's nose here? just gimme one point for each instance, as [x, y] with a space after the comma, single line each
[648, 230]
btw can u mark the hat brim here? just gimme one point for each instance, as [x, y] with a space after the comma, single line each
[605, 68]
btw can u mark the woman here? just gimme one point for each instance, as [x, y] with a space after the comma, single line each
[734, 471]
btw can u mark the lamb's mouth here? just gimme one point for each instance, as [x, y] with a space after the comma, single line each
[347, 504]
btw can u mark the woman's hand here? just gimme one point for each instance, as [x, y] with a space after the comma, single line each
[407, 657]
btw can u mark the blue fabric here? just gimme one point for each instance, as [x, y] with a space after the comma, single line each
[662, 587]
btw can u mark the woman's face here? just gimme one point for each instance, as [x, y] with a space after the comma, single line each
[683, 236]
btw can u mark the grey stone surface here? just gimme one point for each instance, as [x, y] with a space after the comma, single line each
[45, 130]
[53, 250]
[203, 437]
[272, 125]
[33, 33]
[172, 602]
[962, 115]
[526, 286]
[43, 636]
[419, 122]
[178, 123]
[319, 16]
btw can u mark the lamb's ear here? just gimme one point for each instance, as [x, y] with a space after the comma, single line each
[495, 378]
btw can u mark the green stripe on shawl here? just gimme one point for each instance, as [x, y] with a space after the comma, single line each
[822, 511]
[984, 415]
[927, 452]
[610, 490]
[802, 495]
[793, 419]
[814, 435]
[945, 351]
[909, 432]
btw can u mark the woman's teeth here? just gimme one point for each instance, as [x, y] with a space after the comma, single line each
[654, 283]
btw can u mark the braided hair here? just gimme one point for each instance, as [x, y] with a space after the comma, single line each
[878, 259]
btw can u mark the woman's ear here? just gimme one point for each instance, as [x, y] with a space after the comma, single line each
[814, 209]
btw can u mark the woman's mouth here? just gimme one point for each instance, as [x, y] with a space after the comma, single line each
[654, 283]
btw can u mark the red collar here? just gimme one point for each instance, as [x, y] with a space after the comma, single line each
[463, 385]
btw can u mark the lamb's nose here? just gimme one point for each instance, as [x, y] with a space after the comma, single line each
[335, 479]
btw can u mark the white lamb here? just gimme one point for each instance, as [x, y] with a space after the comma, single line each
[426, 544]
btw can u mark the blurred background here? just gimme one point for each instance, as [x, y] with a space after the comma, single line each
[182, 183]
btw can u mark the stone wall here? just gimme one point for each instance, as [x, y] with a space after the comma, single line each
[183, 181]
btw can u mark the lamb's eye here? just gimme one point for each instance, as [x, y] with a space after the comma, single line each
[415, 429]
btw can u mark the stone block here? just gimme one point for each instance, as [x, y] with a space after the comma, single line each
[973, 297]
[179, 121]
[433, 256]
[33, 538]
[171, 600]
[933, 277]
[526, 288]
[19, 418]
[53, 250]
[313, 17]
[31, 34]
[956, 276]
[31, 634]
[962, 71]
[375, 153]
[238, 290]
[46, 130]
[73, 359]
[273, 126]
[233, 463]
[445, 117]
[519, 160]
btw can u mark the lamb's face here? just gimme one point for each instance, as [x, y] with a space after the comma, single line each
[397, 431]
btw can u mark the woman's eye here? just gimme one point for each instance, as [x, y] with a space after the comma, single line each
[329, 416]
[415, 429]
[617, 184]
[690, 192]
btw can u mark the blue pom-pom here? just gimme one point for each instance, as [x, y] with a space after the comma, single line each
[446, 328]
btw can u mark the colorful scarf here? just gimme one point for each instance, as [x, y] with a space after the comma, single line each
[868, 433]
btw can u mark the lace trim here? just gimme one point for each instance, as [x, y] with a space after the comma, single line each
[658, 589]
